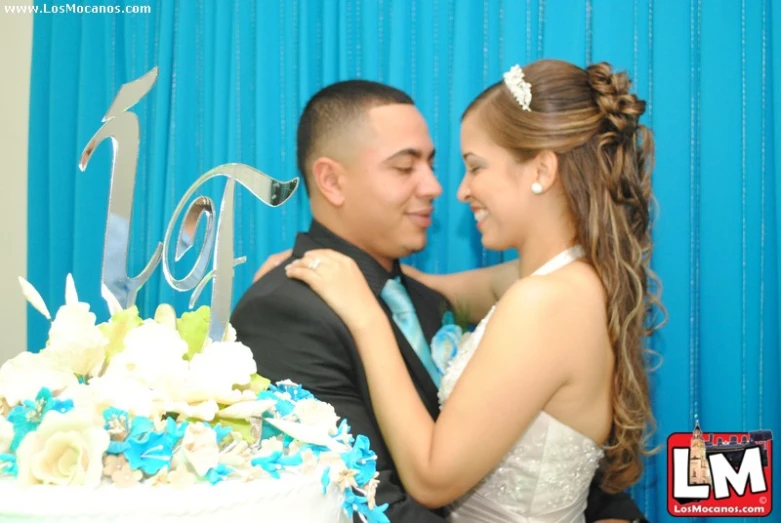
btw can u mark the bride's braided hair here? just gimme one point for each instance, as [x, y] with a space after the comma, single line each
[590, 120]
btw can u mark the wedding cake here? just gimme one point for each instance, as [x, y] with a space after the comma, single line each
[149, 420]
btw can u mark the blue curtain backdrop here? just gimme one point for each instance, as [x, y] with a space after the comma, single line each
[235, 76]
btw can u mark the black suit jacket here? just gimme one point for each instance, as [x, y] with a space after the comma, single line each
[294, 335]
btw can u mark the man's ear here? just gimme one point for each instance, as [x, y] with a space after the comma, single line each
[547, 167]
[329, 177]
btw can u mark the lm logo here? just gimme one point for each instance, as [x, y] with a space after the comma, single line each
[719, 474]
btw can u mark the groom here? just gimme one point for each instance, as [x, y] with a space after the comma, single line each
[366, 156]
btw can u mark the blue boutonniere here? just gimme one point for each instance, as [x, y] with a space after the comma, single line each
[444, 345]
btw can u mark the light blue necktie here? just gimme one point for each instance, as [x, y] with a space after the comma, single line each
[395, 295]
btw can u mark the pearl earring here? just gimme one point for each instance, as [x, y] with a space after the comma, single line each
[537, 188]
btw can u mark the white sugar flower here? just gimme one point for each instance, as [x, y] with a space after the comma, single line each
[152, 355]
[180, 477]
[205, 410]
[199, 447]
[246, 409]
[166, 315]
[370, 492]
[125, 392]
[271, 445]
[83, 398]
[217, 369]
[343, 476]
[317, 414]
[24, 375]
[75, 342]
[308, 462]
[237, 455]
[67, 449]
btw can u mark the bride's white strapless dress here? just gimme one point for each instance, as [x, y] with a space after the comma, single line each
[545, 476]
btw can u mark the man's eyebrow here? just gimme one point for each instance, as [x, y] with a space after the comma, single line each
[415, 153]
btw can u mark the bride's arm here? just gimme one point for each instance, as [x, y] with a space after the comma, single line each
[475, 291]
[498, 395]
[525, 356]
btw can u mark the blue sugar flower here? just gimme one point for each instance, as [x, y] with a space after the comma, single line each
[8, 465]
[175, 430]
[149, 453]
[355, 503]
[25, 420]
[140, 427]
[282, 407]
[49, 403]
[222, 432]
[316, 449]
[325, 479]
[352, 501]
[343, 433]
[361, 459]
[117, 447]
[114, 417]
[276, 461]
[285, 408]
[28, 416]
[267, 395]
[216, 474]
[135, 430]
[373, 515]
[297, 392]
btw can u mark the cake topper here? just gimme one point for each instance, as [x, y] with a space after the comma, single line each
[121, 125]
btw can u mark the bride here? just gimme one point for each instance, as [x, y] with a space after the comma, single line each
[551, 385]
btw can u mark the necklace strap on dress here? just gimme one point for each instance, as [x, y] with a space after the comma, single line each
[563, 258]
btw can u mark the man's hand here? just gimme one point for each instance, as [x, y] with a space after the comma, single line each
[271, 262]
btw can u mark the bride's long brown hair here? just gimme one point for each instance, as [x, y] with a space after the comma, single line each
[590, 120]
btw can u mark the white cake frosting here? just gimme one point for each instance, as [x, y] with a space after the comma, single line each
[291, 498]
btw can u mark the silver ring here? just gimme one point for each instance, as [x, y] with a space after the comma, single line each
[314, 264]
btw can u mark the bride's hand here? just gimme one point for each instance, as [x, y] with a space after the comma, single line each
[272, 261]
[341, 284]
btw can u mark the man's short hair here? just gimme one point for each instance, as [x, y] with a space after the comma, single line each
[332, 110]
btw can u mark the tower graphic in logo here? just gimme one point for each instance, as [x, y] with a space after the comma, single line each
[699, 470]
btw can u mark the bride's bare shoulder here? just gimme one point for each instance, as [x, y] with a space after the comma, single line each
[572, 296]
